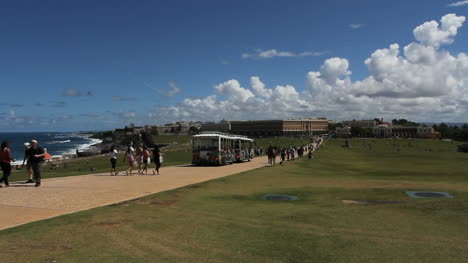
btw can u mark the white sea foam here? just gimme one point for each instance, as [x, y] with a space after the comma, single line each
[52, 142]
[84, 146]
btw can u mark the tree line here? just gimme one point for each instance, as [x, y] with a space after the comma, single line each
[452, 132]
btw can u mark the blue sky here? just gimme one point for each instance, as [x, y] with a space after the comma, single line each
[93, 65]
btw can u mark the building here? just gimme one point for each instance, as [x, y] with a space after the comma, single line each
[279, 127]
[169, 127]
[382, 131]
[361, 123]
[184, 127]
[196, 124]
[154, 129]
[304, 126]
[404, 132]
[177, 127]
[222, 126]
[343, 132]
[427, 133]
[258, 128]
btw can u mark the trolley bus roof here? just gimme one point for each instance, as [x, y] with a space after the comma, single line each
[222, 135]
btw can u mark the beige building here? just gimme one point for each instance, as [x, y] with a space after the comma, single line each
[405, 132]
[155, 129]
[306, 126]
[427, 133]
[382, 131]
[279, 127]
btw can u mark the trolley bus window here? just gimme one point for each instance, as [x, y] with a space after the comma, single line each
[205, 145]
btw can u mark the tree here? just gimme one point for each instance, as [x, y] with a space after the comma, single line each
[193, 130]
[332, 127]
[357, 131]
[443, 129]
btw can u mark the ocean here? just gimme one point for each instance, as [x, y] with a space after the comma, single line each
[57, 143]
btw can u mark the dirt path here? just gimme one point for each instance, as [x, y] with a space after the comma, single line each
[24, 203]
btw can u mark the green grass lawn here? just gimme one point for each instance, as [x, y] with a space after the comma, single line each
[174, 139]
[226, 220]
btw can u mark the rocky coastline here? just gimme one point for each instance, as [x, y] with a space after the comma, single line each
[120, 140]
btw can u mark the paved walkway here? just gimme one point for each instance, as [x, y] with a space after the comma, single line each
[24, 203]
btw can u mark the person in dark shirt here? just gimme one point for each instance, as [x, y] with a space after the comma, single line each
[27, 160]
[37, 154]
[157, 159]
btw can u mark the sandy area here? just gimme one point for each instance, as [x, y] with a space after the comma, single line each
[23, 203]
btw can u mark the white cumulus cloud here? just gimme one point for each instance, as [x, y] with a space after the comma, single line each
[355, 26]
[420, 81]
[433, 34]
[233, 91]
[262, 54]
[459, 3]
[173, 90]
[259, 89]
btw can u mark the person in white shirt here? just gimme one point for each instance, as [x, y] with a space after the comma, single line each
[130, 159]
[113, 154]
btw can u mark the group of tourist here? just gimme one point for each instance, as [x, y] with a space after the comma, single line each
[33, 155]
[140, 157]
[290, 153]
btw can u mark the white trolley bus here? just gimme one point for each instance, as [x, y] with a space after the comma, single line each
[216, 148]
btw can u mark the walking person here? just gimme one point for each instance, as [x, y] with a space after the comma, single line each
[271, 155]
[5, 160]
[113, 159]
[269, 152]
[145, 155]
[139, 157]
[130, 159]
[27, 159]
[37, 157]
[157, 159]
[283, 156]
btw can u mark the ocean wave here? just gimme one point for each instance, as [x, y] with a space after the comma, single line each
[83, 146]
[54, 142]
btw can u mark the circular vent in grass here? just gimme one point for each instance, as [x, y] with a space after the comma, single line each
[428, 194]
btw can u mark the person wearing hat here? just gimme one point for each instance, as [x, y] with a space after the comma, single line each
[27, 157]
[37, 157]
